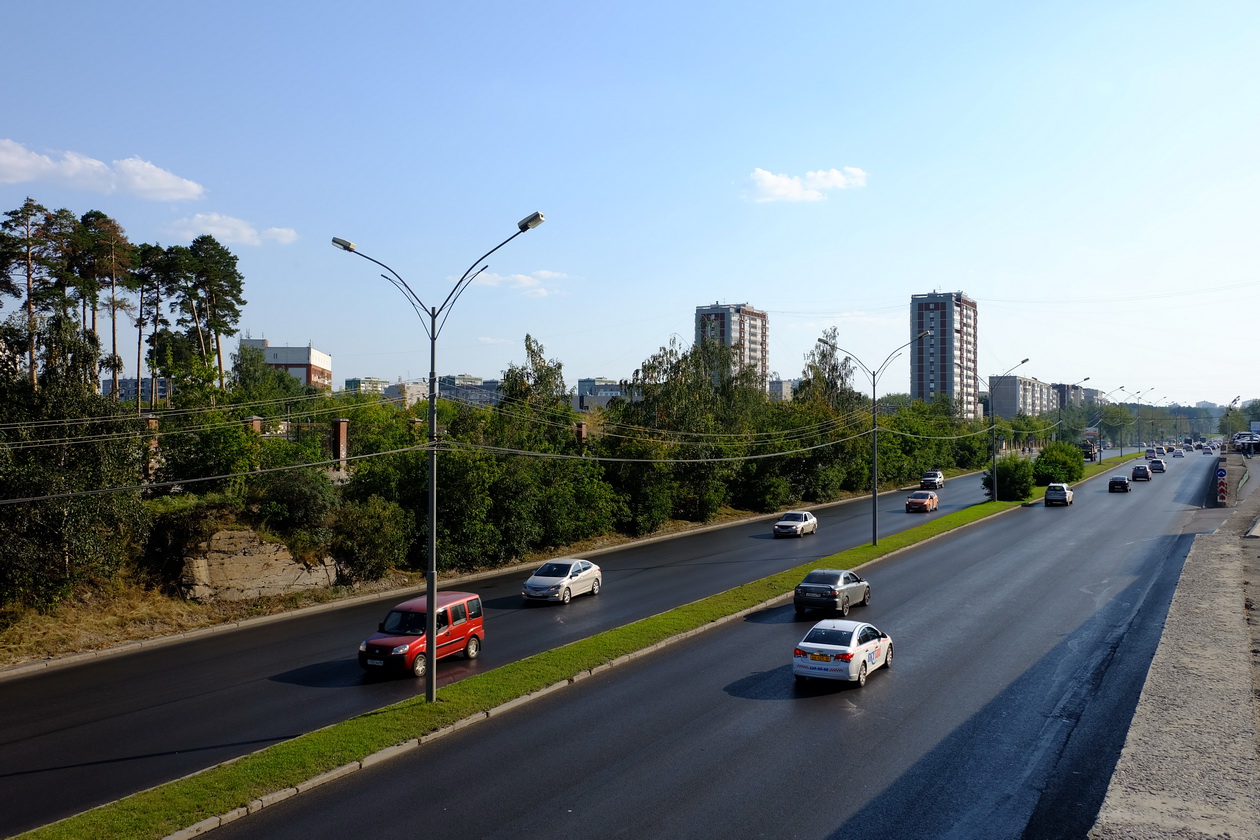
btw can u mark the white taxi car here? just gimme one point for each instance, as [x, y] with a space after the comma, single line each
[841, 650]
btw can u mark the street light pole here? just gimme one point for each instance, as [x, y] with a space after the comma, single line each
[433, 328]
[874, 375]
[993, 427]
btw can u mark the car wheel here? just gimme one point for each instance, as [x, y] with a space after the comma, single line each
[419, 665]
[888, 658]
[861, 680]
[866, 597]
[800, 610]
[473, 648]
[595, 587]
[566, 596]
[844, 606]
[800, 678]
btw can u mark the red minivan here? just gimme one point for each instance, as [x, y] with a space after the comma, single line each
[399, 640]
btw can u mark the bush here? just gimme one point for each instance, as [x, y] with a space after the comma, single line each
[1058, 462]
[1015, 479]
[370, 538]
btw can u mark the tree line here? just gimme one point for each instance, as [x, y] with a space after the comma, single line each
[93, 490]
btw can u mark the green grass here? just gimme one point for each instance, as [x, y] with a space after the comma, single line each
[160, 811]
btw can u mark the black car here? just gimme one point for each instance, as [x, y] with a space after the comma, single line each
[1119, 484]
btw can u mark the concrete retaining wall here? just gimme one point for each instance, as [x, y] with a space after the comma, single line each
[233, 565]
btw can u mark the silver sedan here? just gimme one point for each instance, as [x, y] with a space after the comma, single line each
[796, 523]
[559, 580]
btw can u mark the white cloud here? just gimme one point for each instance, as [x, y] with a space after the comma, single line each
[529, 285]
[282, 235]
[770, 187]
[130, 176]
[229, 230]
[487, 340]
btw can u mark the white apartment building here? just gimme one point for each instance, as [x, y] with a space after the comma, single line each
[947, 361]
[741, 327]
[310, 366]
[1012, 395]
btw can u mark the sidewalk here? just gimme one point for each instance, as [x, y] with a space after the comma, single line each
[1191, 763]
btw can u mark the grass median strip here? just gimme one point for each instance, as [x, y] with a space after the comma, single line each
[160, 811]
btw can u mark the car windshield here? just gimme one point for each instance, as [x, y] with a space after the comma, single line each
[822, 577]
[404, 623]
[920, 495]
[554, 570]
[828, 636]
[1119, 478]
[793, 517]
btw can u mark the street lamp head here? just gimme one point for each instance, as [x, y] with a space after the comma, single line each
[923, 334]
[1024, 362]
[343, 244]
[530, 222]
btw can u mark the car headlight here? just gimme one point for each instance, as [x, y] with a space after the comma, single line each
[363, 646]
[400, 650]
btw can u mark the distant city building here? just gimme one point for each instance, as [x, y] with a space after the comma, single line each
[407, 394]
[367, 384]
[598, 387]
[781, 390]
[739, 326]
[306, 364]
[127, 388]
[947, 361]
[1092, 395]
[1066, 395]
[469, 389]
[1014, 395]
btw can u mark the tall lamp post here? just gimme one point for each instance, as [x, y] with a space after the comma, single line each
[1137, 412]
[433, 328]
[993, 426]
[1100, 414]
[874, 376]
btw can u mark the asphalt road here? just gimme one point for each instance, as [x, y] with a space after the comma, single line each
[76, 737]
[1022, 646]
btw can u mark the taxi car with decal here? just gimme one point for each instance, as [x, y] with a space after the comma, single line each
[837, 649]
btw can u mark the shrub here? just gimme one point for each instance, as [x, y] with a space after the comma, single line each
[1059, 461]
[369, 538]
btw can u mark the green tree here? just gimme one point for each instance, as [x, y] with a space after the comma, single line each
[28, 255]
[209, 299]
[67, 535]
[1014, 479]
[370, 537]
[1058, 462]
[106, 254]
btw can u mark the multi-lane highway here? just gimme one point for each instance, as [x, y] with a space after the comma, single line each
[98, 731]
[1021, 645]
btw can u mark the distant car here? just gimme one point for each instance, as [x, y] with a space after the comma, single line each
[399, 643]
[560, 580]
[1159, 465]
[831, 589]
[932, 480]
[1059, 494]
[1141, 472]
[1119, 484]
[1150, 453]
[796, 523]
[922, 500]
[1177, 453]
[841, 650]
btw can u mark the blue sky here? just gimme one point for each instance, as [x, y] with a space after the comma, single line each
[1085, 171]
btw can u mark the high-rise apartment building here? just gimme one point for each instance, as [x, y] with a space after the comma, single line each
[740, 326]
[946, 361]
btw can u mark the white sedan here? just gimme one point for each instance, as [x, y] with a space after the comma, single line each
[796, 523]
[837, 649]
[559, 580]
